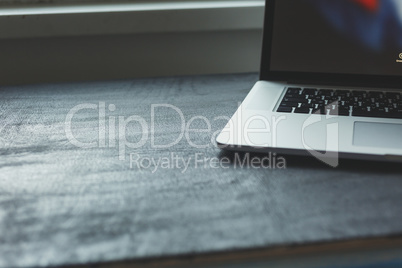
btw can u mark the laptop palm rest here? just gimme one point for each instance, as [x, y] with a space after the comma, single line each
[385, 135]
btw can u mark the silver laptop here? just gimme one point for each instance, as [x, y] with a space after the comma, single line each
[330, 82]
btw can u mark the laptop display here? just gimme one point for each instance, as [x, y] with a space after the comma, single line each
[338, 36]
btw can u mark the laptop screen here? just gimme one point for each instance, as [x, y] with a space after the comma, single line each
[337, 36]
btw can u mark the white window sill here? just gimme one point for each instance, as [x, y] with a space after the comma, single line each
[129, 18]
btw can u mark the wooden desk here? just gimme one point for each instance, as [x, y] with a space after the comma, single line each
[65, 205]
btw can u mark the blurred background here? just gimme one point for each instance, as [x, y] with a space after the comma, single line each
[76, 40]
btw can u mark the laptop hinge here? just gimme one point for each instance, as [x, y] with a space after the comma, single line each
[334, 83]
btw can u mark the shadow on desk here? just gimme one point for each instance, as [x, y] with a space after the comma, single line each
[309, 162]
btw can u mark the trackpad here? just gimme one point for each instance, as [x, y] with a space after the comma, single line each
[383, 135]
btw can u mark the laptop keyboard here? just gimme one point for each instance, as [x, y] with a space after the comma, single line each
[342, 102]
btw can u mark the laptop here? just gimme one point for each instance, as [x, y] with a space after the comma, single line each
[330, 83]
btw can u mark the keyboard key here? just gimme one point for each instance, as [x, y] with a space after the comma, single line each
[393, 95]
[289, 104]
[293, 90]
[298, 96]
[343, 93]
[359, 93]
[375, 94]
[302, 110]
[294, 100]
[320, 109]
[361, 112]
[341, 111]
[307, 105]
[325, 92]
[344, 113]
[380, 114]
[309, 91]
[284, 109]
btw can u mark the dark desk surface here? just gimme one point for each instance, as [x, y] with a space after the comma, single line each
[61, 204]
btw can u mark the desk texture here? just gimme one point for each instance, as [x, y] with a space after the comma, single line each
[61, 204]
